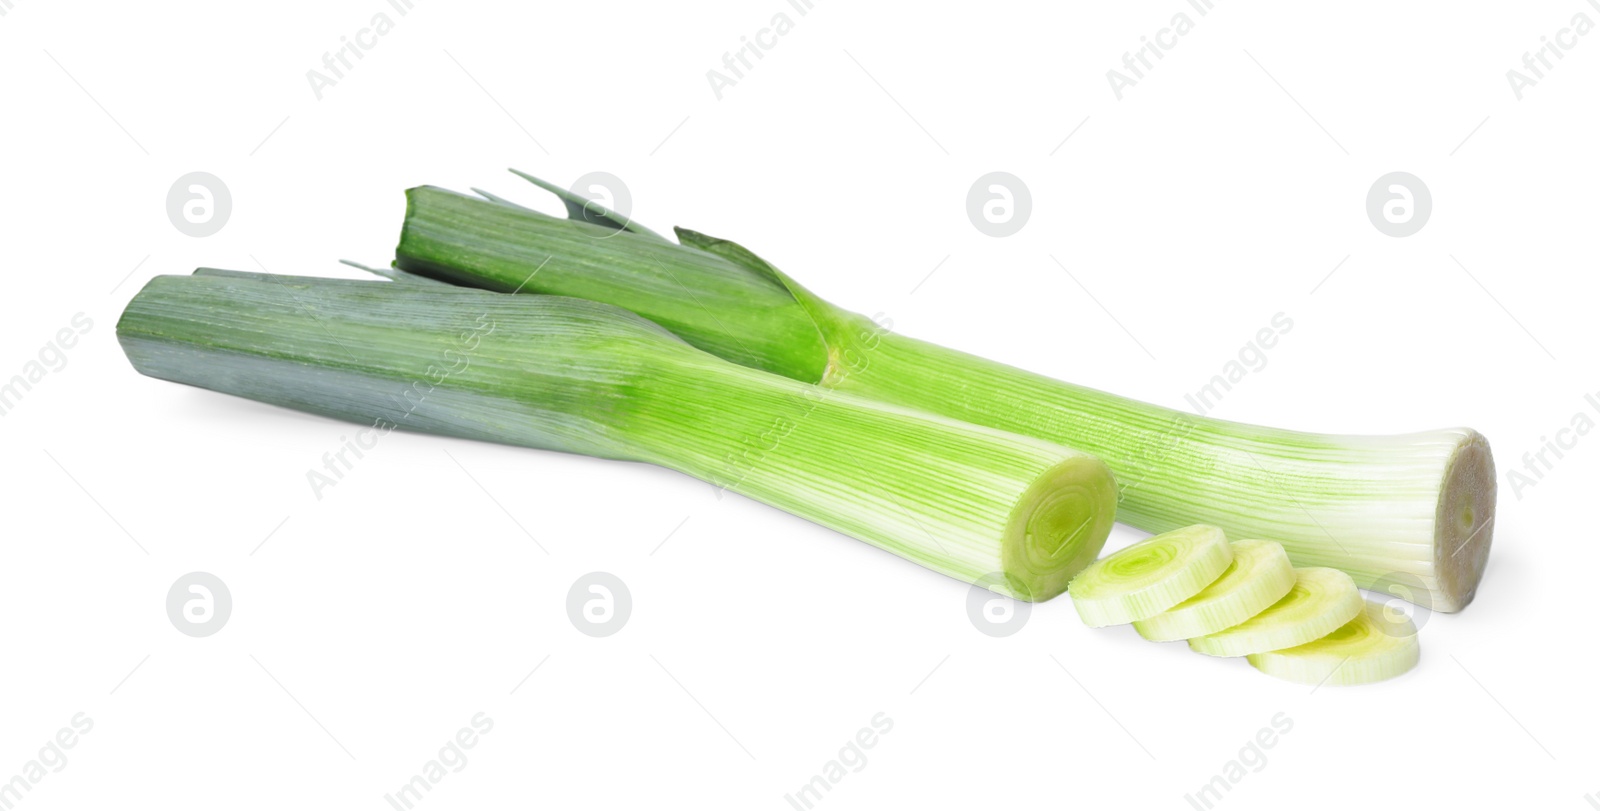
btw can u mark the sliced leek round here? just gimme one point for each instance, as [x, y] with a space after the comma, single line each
[1259, 576]
[1320, 601]
[1375, 646]
[1150, 576]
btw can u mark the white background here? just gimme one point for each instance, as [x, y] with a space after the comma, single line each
[370, 625]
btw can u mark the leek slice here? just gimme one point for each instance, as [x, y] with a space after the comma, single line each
[1320, 601]
[1150, 576]
[977, 504]
[1259, 576]
[1419, 505]
[1375, 646]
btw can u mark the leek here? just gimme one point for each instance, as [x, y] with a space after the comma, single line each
[1150, 576]
[1372, 647]
[1259, 576]
[1016, 513]
[1244, 599]
[1378, 508]
[1320, 601]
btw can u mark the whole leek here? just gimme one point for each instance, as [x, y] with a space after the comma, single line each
[1015, 513]
[1417, 507]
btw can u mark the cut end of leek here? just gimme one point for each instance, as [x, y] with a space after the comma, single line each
[1059, 527]
[1150, 576]
[1259, 576]
[1320, 601]
[1375, 646]
[1464, 527]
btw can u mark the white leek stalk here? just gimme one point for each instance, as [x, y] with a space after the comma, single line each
[1383, 509]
